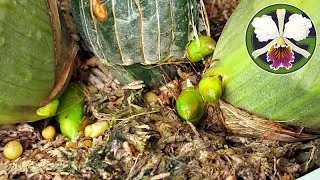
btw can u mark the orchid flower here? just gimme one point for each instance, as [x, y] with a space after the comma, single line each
[280, 50]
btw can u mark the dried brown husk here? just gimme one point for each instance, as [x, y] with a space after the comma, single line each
[241, 122]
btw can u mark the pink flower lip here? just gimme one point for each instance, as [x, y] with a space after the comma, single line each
[280, 56]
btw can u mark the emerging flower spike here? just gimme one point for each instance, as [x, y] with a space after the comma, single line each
[280, 50]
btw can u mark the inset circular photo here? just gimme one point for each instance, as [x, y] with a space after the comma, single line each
[281, 38]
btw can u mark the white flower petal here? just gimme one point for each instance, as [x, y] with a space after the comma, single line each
[295, 48]
[263, 50]
[265, 28]
[281, 13]
[297, 27]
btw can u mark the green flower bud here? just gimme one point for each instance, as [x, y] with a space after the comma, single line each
[48, 110]
[200, 47]
[190, 105]
[211, 88]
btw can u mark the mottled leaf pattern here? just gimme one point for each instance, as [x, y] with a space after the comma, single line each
[137, 31]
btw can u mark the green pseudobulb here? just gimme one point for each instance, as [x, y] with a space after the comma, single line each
[70, 111]
[211, 89]
[190, 105]
[200, 47]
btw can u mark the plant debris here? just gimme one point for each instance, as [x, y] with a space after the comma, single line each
[160, 145]
[25, 133]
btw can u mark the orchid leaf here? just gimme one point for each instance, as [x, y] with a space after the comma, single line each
[253, 81]
[35, 59]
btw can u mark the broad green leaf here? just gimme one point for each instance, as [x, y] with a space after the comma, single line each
[294, 97]
[33, 65]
